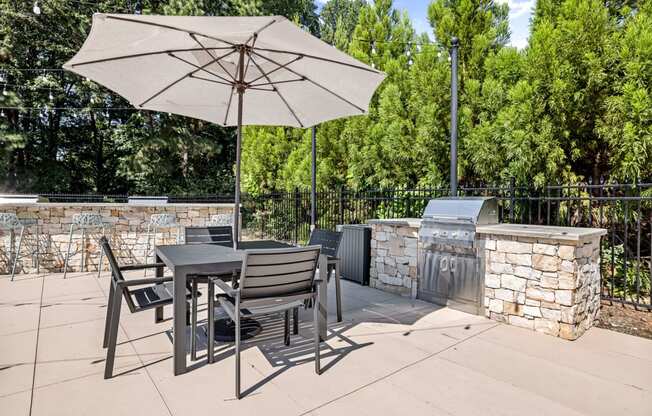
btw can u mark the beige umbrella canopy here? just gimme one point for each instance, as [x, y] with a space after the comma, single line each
[231, 71]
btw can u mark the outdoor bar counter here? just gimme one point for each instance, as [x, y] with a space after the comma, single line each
[542, 278]
[126, 228]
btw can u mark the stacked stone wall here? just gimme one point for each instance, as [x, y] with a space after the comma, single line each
[394, 256]
[126, 229]
[545, 285]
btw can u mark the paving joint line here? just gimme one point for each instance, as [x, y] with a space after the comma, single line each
[394, 372]
[137, 354]
[38, 333]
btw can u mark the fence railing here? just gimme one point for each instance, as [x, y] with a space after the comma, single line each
[625, 210]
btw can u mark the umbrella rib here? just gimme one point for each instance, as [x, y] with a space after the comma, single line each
[211, 55]
[254, 38]
[230, 84]
[276, 69]
[255, 34]
[139, 55]
[319, 58]
[124, 19]
[180, 79]
[228, 106]
[277, 91]
[313, 82]
[203, 68]
[276, 82]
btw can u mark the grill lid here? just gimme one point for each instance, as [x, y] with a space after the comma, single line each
[474, 210]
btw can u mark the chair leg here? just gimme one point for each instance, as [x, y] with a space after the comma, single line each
[295, 321]
[149, 236]
[38, 249]
[107, 322]
[211, 321]
[113, 333]
[83, 246]
[65, 264]
[237, 350]
[193, 323]
[99, 264]
[315, 310]
[286, 328]
[338, 292]
[17, 254]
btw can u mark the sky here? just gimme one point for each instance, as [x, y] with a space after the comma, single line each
[519, 17]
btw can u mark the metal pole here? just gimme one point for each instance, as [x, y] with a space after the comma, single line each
[453, 174]
[313, 176]
[236, 208]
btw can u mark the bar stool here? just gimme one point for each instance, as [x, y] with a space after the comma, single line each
[220, 220]
[10, 222]
[157, 221]
[85, 221]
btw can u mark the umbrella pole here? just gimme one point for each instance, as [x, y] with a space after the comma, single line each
[238, 151]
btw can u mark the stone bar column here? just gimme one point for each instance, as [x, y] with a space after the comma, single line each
[546, 279]
[394, 255]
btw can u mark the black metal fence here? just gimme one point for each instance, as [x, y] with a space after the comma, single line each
[625, 210]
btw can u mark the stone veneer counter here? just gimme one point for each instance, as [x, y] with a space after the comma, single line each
[126, 229]
[542, 278]
[393, 265]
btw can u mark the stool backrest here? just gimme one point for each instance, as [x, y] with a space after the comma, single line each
[87, 219]
[116, 274]
[278, 272]
[221, 236]
[9, 220]
[328, 240]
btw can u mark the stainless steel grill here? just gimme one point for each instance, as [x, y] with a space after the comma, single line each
[451, 259]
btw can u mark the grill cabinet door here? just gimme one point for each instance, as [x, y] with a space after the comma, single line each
[450, 279]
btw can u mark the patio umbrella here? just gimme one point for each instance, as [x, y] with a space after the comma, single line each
[231, 71]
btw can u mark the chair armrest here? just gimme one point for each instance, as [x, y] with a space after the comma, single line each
[138, 282]
[140, 266]
[224, 287]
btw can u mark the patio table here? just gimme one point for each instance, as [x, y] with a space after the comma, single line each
[184, 260]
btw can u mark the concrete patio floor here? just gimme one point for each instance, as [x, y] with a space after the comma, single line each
[390, 356]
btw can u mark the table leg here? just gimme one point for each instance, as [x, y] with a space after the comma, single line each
[323, 298]
[179, 321]
[158, 313]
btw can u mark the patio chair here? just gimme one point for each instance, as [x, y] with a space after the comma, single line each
[330, 244]
[218, 235]
[152, 293]
[271, 281]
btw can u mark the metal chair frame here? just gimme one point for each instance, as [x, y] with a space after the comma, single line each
[330, 244]
[272, 290]
[11, 223]
[137, 300]
[85, 221]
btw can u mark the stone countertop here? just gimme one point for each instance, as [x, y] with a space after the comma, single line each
[405, 222]
[571, 234]
[112, 205]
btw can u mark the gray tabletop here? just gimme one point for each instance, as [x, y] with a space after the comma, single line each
[184, 260]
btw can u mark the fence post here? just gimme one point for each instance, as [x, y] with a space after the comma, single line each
[296, 215]
[512, 198]
[341, 205]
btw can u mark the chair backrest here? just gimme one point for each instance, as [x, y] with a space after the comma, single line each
[328, 240]
[116, 274]
[221, 236]
[278, 272]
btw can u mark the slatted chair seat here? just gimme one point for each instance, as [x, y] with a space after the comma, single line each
[271, 281]
[154, 296]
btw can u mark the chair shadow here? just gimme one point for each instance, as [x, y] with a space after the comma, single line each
[281, 357]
